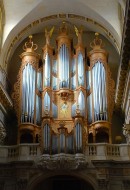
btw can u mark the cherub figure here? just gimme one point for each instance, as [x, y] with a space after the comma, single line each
[79, 33]
[48, 35]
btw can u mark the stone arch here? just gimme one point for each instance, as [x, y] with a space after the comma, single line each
[81, 175]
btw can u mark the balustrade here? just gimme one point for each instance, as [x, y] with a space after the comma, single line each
[92, 150]
[113, 150]
[101, 151]
[13, 151]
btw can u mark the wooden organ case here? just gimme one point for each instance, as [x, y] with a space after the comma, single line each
[64, 103]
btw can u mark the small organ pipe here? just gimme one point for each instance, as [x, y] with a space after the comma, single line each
[80, 136]
[64, 66]
[99, 91]
[77, 136]
[93, 75]
[30, 92]
[47, 70]
[26, 91]
[103, 93]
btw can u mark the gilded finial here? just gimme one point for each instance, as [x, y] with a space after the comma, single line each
[30, 37]
[97, 42]
[30, 46]
[63, 28]
[96, 34]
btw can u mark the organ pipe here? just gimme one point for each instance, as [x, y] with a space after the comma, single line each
[46, 138]
[80, 70]
[39, 80]
[64, 67]
[47, 102]
[99, 91]
[99, 99]
[81, 103]
[47, 71]
[78, 136]
[29, 74]
[64, 79]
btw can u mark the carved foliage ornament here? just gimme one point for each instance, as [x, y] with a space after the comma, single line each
[61, 162]
[2, 134]
[111, 93]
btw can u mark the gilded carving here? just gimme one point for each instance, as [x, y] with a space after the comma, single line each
[2, 134]
[126, 132]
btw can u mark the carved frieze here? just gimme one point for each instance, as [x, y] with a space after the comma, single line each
[61, 162]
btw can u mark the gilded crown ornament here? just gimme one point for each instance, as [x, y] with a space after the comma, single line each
[30, 46]
[97, 42]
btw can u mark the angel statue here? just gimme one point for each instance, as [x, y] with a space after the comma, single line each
[48, 35]
[79, 33]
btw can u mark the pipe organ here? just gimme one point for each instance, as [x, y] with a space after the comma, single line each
[64, 103]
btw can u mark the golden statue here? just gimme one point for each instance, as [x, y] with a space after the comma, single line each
[64, 109]
[79, 33]
[48, 35]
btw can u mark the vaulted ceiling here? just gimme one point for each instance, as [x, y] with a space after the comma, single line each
[25, 17]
